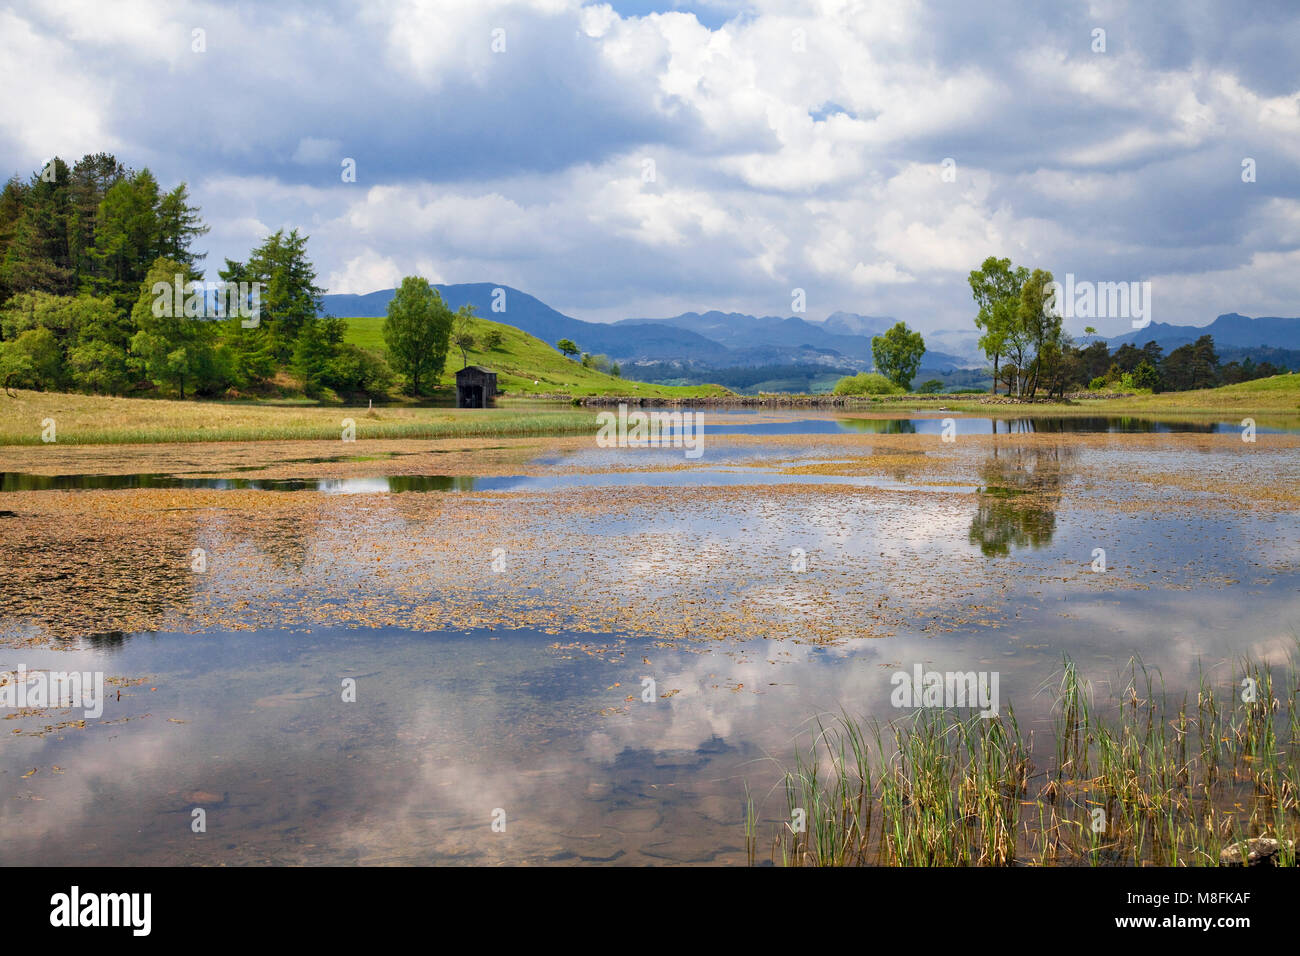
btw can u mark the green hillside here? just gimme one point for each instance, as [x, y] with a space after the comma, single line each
[528, 366]
[1278, 394]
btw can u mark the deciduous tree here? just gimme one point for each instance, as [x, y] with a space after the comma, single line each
[898, 354]
[417, 332]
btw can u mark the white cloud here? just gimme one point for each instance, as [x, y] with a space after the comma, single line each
[368, 272]
[880, 273]
[775, 166]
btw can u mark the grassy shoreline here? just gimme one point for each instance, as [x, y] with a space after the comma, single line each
[92, 419]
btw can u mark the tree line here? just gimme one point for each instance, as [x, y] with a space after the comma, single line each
[84, 254]
[1024, 339]
[90, 254]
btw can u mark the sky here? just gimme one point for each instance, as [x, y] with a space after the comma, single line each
[641, 159]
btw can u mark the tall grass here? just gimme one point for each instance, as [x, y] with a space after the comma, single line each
[488, 424]
[1176, 781]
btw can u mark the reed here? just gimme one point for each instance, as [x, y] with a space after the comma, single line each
[1147, 779]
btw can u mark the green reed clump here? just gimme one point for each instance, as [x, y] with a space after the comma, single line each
[1142, 780]
[949, 793]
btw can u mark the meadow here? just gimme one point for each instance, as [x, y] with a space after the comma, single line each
[92, 419]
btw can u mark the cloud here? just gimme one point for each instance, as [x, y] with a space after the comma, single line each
[793, 144]
[880, 272]
[312, 151]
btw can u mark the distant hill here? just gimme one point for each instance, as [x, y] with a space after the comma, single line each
[736, 330]
[371, 305]
[842, 339]
[702, 340]
[850, 323]
[531, 315]
[963, 343]
[1229, 331]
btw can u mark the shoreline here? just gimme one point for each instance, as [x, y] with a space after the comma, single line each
[783, 400]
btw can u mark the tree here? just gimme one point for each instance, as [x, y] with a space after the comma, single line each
[1146, 376]
[178, 224]
[248, 351]
[462, 332]
[290, 297]
[89, 337]
[931, 386]
[99, 347]
[1205, 363]
[324, 361]
[135, 225]
[126, 236]
[36, 258]
[417, 332]
[492, 338]
[1093, 361]
[354, 369]
[172, 348]
[36, 310]
[32, 360]
[13, 200]
[1177, 368]
[1151, 354]
[1127, 357]
[1037, 333]
[317, 345]
[96, 227]
[91, 179]
[1056, 363]
[567, 348]
[898, 354]
[996, 288]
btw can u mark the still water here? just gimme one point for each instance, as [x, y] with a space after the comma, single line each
[337, 745]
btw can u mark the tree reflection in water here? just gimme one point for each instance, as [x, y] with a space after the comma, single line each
[1021, 489]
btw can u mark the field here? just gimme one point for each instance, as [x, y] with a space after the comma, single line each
[92, 419]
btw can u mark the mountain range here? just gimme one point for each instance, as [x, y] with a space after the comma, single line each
[701, 340]
[1229, 331]
[732, 340]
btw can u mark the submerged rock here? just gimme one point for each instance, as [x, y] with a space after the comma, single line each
[1261, 851]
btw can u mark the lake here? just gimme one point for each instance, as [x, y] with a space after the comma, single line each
[603, 651]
